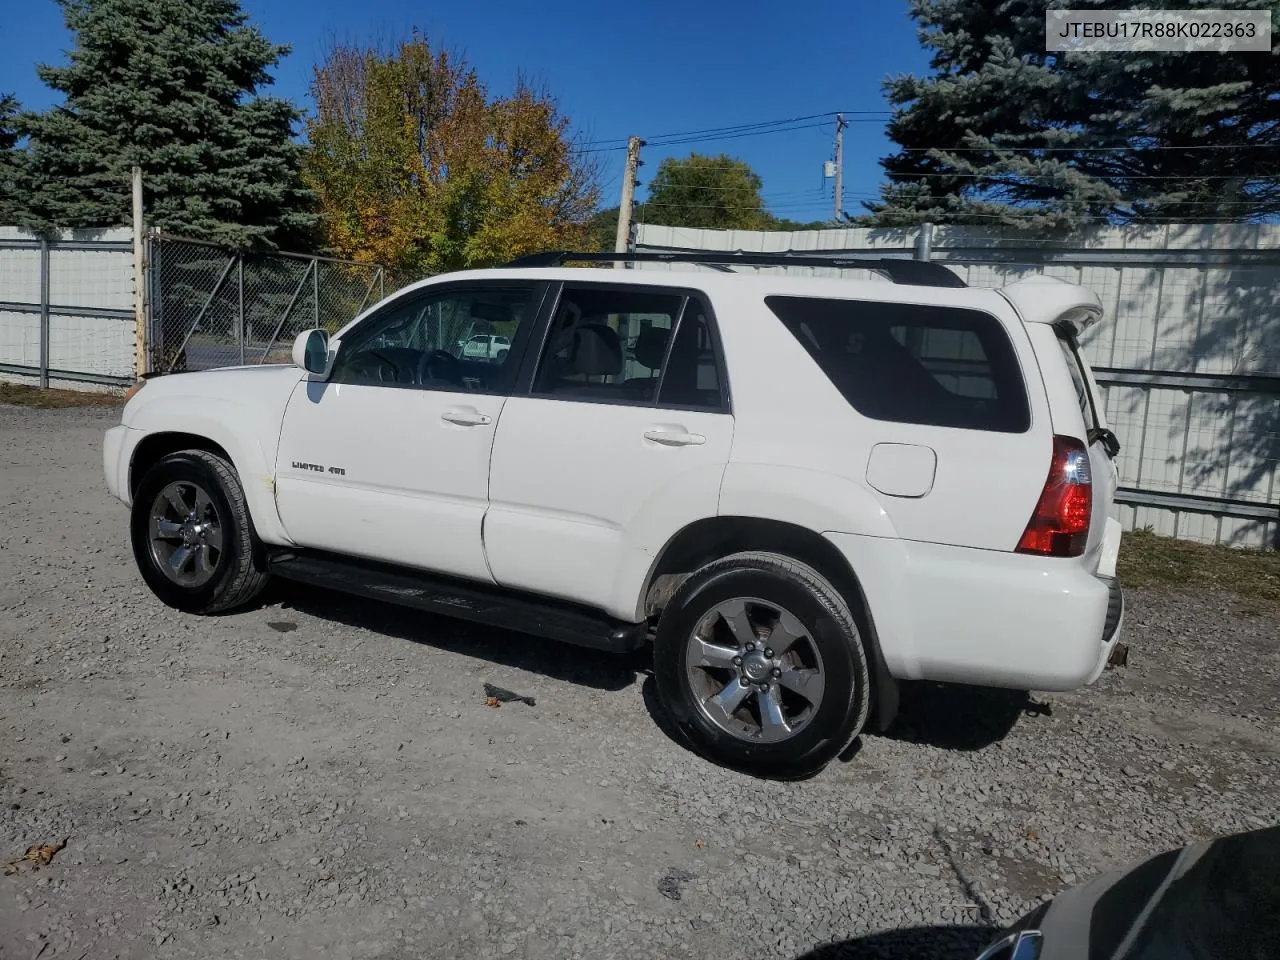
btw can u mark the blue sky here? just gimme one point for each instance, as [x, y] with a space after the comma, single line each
[617, 69]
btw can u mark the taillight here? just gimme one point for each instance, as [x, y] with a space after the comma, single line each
[1059, 527]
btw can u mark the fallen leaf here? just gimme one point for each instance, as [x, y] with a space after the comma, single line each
[41, 854]
[507, 696]
[699, 844]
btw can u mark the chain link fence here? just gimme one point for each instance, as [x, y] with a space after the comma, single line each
[211, 307]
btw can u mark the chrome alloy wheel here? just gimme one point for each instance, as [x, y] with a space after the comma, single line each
[186, 534]
[755, 670]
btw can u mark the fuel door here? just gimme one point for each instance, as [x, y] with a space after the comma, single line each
[902, 469]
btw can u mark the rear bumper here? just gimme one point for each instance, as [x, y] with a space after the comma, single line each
[985, 617]
[1111, 626]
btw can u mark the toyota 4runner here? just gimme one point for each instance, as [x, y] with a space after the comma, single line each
[798, 491]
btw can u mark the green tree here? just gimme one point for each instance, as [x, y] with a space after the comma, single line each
[418, 167]
[11, 161]
[172, 87]
[785, 223]
[718, 193]
[1004, 133]
[602, 230]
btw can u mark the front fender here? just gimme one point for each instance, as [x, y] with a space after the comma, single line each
[249, 436]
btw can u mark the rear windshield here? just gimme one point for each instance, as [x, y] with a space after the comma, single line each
[913, 363]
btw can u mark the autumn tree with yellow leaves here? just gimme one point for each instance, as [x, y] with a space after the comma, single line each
[416, 167]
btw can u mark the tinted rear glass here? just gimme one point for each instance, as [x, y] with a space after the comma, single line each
[910, 363]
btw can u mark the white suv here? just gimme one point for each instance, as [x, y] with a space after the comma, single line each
[800, 490]
[487, 346]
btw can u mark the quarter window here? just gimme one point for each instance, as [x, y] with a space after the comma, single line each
[913, 363]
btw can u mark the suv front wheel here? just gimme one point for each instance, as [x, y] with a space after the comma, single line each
[192, 535]
[759, 662]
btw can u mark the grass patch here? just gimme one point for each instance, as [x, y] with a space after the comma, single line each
[21, 395]
[1163, 563]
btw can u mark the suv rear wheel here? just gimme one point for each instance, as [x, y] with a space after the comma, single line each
[759, 661]
[192, 535]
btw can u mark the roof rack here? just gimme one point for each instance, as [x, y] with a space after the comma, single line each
[923, 273]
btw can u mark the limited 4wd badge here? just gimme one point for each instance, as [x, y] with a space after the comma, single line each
[318, 468]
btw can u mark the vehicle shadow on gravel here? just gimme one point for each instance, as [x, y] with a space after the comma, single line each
[588, 668]
[910, 943]
[949, 716]
[959, 717]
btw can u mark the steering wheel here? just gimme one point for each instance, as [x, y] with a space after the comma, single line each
[439, 365]
[375, 366]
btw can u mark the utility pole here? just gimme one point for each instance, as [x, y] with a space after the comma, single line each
[840, 125]
[623, 238]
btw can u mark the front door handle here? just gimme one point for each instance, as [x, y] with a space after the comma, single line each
[466, 418]
[674, 438]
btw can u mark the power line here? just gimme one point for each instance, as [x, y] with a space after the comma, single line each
[734, 128]
[1110, 176]
[711, 139]
[1000, 149]
[675, 141]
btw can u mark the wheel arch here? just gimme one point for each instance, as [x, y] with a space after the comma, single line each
[152, 448]
[711, 538]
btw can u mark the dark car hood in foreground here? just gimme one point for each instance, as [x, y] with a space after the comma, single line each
[1214, 900]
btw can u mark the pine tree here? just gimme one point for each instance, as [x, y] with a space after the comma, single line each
[1004, 133]
[172, 87]
[11, 159]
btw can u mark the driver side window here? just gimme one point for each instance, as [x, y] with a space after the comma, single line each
[455, 340]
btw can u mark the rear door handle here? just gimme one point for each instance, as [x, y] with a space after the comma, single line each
[466, 418]
[674, 438]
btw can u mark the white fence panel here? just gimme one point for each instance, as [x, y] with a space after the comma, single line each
[89, 335]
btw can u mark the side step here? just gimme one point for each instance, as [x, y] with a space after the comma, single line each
[465, 600]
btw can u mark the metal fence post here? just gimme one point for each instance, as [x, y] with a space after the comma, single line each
[924, 242]
[44, 312]
[240, 308]
[154, 304]
[315, 290]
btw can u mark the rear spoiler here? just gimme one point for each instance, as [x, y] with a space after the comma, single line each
[1041, 299]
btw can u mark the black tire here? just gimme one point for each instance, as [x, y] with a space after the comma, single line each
[833, 633]
[238, 571]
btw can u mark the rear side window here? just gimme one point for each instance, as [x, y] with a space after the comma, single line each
[913, 363]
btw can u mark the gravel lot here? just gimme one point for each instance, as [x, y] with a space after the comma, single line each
[320, 776]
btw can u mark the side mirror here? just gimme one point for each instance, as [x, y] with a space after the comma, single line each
[311, 351]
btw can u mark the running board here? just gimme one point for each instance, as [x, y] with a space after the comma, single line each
[465, 600]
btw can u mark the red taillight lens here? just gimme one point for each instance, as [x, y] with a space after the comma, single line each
[1060, 525]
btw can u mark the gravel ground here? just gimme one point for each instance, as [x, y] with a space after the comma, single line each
[320, 776]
